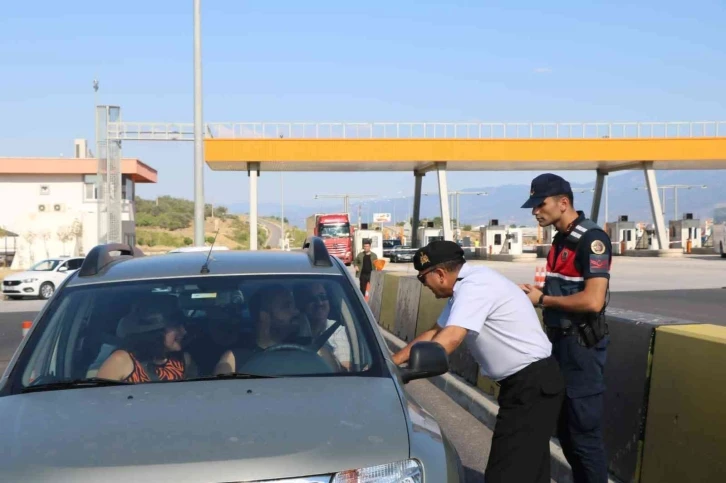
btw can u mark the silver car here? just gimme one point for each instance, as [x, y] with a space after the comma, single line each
[216, 367]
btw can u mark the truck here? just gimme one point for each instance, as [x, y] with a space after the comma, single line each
[718, 230]
[335, 230]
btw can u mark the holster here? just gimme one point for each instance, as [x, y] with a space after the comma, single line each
[592, 329]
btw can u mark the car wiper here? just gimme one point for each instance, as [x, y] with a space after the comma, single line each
[231, 375]
[74, 384]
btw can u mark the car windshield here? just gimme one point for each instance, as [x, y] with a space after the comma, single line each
[200, 328]
[334, 230]
[45, 266]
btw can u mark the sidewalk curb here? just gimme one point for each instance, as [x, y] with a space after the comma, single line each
[484, 408]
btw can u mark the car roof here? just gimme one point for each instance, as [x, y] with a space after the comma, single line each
[220, 263]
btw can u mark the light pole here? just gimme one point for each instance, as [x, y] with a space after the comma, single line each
[455, 198]
[346, 199]
[675, 188]
[198, 131]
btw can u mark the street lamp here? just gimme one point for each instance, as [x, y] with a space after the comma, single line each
[455, 196]
[675, 188]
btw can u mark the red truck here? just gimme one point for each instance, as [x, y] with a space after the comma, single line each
[336, 232]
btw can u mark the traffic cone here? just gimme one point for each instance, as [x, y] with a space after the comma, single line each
[368, 291]
[27, 324]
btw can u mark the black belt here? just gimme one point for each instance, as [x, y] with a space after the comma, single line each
[561, 332]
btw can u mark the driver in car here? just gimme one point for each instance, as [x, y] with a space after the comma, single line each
[277, 316]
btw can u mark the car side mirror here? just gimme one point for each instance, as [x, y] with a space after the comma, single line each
[427, 359]
[63, 269]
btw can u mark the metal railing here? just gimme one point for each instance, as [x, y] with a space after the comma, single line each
[161, 131]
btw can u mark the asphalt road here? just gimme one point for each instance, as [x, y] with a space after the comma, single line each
[274, 230]
[707, 306]
[11, 334]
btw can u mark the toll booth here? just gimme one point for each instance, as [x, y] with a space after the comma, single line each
[501, 240]
[376, 238]
[681, 231]
[622, 235]
[427, 234]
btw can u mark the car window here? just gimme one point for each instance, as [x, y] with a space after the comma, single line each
[187, 328]
[45, 266]
[75, 263]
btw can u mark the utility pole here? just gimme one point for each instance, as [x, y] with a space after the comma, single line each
[198, 131]
[346, 199]
[675, 188]
[455, 202]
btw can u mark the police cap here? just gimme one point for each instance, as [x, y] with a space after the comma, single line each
[436, 252]
[546, 185]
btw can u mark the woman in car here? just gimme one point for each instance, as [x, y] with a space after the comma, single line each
[153, 347]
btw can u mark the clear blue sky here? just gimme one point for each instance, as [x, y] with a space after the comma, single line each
[350, 61]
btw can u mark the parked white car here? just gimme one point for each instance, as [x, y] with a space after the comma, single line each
[41, 279]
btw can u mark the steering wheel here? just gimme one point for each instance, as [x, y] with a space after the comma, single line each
[288, 346]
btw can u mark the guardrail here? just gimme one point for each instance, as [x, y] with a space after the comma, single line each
[161, 131]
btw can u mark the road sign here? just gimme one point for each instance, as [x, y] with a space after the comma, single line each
[381, 217]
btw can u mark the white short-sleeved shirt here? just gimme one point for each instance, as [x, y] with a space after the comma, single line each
[504, 333]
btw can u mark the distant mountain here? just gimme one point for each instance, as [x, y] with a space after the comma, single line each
[626, 196]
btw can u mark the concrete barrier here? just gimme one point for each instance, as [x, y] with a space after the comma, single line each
[685, 435]
[627, 379]
[376, 293]
[407, 304]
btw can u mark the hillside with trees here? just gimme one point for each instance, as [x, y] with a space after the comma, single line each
[167, 222]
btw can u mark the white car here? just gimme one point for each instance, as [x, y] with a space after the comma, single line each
[41, 279]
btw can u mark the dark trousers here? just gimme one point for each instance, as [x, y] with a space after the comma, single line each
[529, 402]
[364, 279]
[579, 428]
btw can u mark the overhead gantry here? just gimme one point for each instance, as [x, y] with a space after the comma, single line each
[421, 148]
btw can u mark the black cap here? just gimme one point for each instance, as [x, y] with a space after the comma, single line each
[546, 185]
[436, 252]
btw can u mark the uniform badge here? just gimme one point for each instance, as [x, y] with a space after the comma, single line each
[565, 254]
[424, 259]
[531, 193]
[597, 247]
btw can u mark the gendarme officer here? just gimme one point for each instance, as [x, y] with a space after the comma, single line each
[573, 303]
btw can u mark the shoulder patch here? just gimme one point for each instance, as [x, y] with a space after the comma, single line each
[599, 264]
[597, 247]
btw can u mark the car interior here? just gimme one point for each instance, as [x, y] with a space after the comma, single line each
[216, 317]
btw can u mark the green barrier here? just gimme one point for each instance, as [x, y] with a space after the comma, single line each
[685, 433]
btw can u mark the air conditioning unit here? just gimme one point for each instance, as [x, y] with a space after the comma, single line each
[59, 207]
[42, 208]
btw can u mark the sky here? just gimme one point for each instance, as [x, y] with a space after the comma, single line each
[525, 61]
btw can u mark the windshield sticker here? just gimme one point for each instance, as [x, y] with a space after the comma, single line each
[204, 295]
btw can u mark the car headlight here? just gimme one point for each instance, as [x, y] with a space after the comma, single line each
[30, 280]
[408, 471]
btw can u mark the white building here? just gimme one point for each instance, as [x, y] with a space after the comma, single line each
[52, 204]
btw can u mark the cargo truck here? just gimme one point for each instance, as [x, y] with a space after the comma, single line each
[336, 232]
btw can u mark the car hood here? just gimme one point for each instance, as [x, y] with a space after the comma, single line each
[22, 276]
[202, 431]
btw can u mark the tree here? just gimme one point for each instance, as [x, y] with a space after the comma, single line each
[30, 238]
[65, 234]
[45, 236]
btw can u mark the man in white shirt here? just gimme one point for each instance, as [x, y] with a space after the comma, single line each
[504, 335]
